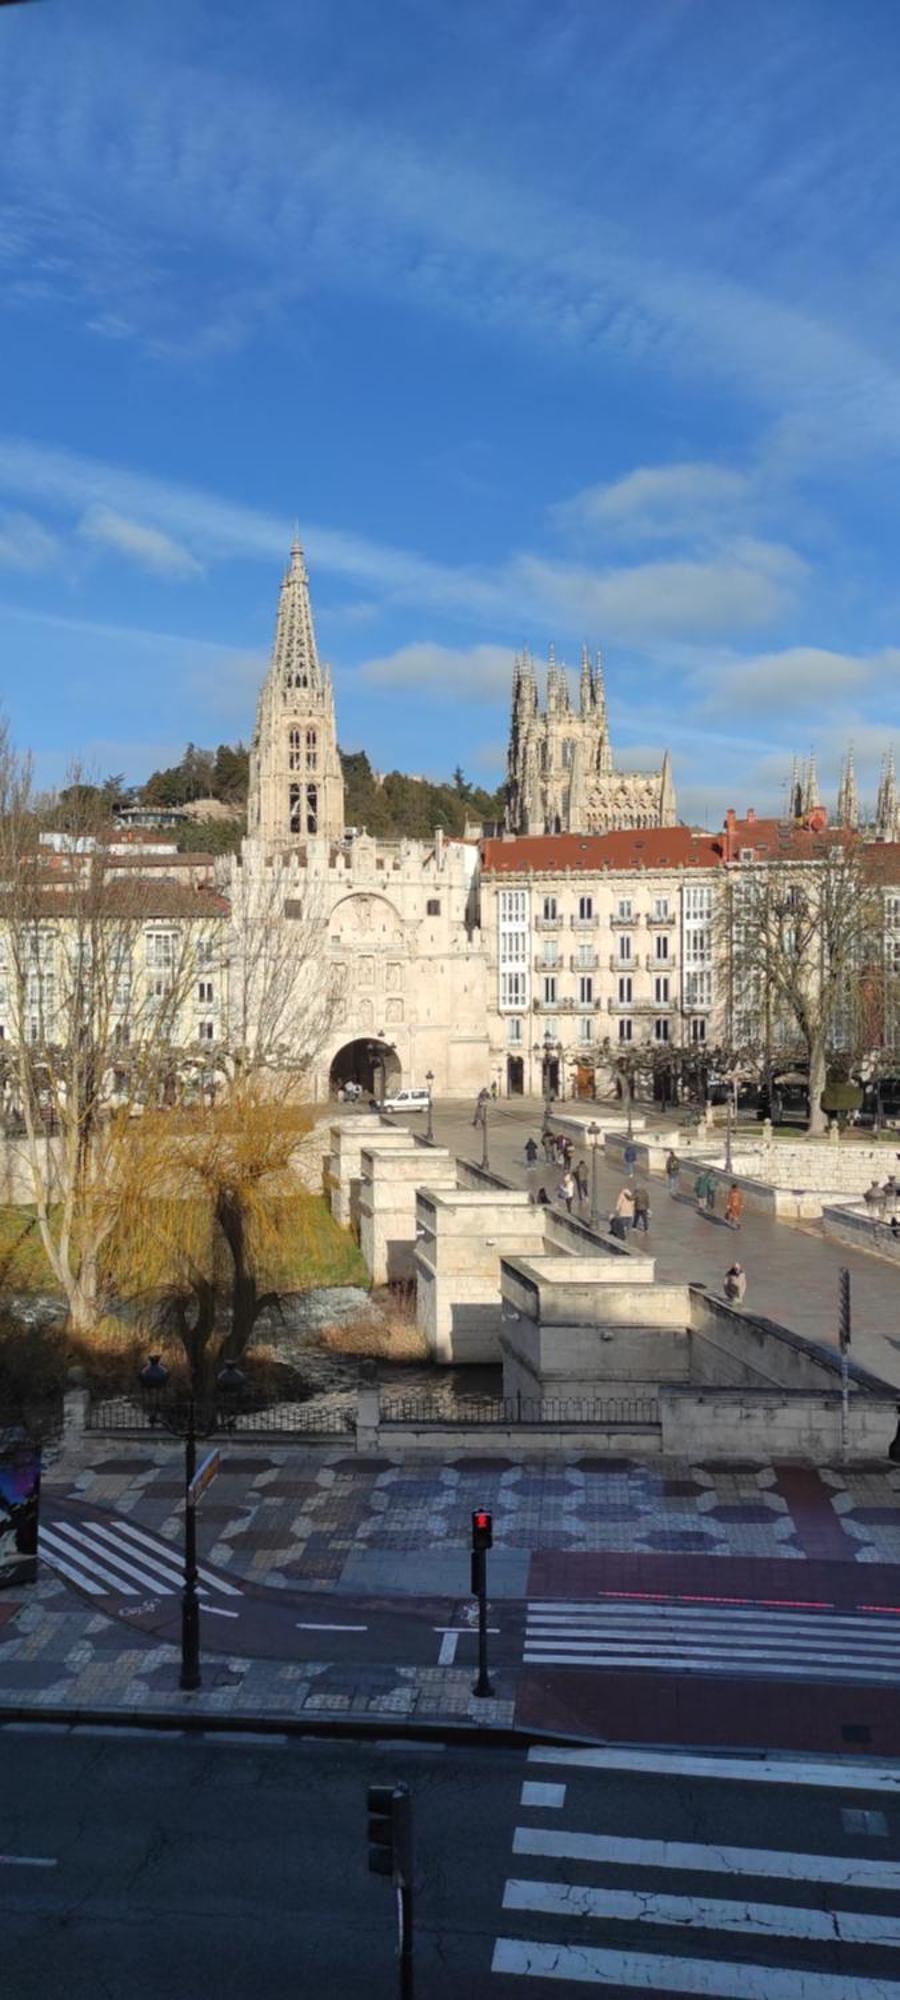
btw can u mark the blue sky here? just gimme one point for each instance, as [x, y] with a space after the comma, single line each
[573, 321]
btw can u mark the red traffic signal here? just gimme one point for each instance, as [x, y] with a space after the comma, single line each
[482, 1529]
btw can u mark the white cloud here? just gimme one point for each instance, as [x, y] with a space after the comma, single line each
[792, 680]
[659, 501]
[476, 673]
[647, 601]
[25, 544]
[149, 547]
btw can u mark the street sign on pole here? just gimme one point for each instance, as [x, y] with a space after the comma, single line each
[203, 1477]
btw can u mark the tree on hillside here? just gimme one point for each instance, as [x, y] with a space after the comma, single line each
[801, 940]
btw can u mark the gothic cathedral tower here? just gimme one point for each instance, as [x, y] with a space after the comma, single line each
[296, 785]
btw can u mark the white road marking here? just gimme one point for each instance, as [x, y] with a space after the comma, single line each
[218, 1611]
[642, 1971]
[69, 1570]
[847, 1870]
[28, 1861]
[215, 1582]
[836, 1776]
[303, 1627]
[702, 1913]
[55, 1548]
[534, 1794]
[703, 1614]
[80, 1542]
[447, 1649]
[123, 1556]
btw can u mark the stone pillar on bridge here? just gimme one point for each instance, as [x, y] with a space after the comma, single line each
[389, 1178]
[461, 1235]
[348, 1137]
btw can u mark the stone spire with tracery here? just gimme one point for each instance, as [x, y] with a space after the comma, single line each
[296, 782]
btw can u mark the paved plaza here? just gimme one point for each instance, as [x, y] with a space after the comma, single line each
[792, 1270]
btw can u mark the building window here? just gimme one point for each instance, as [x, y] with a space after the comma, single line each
[160, 949]
[512, 989]
[551, 953]
[294, 808]
[568, 753]
[625, 1029]
[661, 1030]
[625, 986]
[433, 906]
[698, 989]
[625, 949]
[662, 945]
[205, 1031]
[661, 908]
[585, 909]
[514, 1029]
[698, 1031]
[661, 991]
[624, 908]
[549, 911]
[294, 750]
[205, 992]
[550, 990]
[312, 750]
[586, 990]
[312, 808]
[585, 954]
[585, 1030]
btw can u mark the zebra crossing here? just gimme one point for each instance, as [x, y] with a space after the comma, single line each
[634, 1911]
[765, 1642]
[115, 1558]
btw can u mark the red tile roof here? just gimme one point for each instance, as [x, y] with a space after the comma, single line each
[589, 853]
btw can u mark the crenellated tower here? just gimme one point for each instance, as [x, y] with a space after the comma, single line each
[296, 785]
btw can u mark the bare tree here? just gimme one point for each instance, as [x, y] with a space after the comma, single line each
[285, 994]
[800, 938]
[97, 967]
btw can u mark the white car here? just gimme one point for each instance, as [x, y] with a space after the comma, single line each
[406, 1100]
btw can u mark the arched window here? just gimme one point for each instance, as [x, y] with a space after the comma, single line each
[294, 808]
[294, 750]
[312, 750]
[312, 808]
[568, 753]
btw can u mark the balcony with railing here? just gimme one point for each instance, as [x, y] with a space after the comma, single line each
[554, 1006]
[548, 923]
[660, 964]
[589, 963]
[622, 923]
[655, 922]
[623, 964]
[584, 923]
[544, 964]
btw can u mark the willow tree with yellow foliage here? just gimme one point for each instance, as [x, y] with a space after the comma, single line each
[207, 1205]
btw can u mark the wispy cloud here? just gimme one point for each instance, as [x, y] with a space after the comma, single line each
[794, 680]
[659, 502]
[474, 673]
[146, 546]
[25, 544]
[294, 194]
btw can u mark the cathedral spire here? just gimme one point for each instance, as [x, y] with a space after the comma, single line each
[886, 808]
[295, 658]
[586, 687]
[810, 784]
[848, 794]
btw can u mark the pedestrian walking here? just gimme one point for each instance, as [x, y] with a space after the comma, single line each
[735, 1284]
[629, 1157]
[874, 1199]
[641, 1208]
[734, 1206]
[549, 1144]
[543, 1199]
[581, 1180]
[622, 1218]
[566, 1190]
[672, 1172]
[702, 1186]
[531, 1152]
[494, 1092]
[481, 1102]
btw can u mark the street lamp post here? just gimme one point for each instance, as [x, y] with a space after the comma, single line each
[429, 1129]
[728, 1120]
[484, 1132]
[153, 1379]
[593, 1132]
[629, 1086]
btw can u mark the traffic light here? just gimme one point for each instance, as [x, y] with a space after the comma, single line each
[390, 1831]
[482, 1530]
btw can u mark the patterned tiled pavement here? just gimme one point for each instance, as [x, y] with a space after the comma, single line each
[300, 1519]
[296, 1517]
